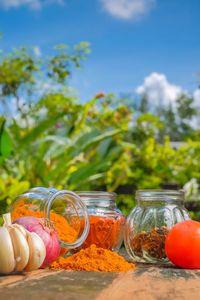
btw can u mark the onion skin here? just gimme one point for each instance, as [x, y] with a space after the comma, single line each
[47, 234]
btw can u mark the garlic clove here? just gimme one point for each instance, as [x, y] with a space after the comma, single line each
[7, 259]
[21, 229]
[7, 219]
[37, 251]
[21, 248]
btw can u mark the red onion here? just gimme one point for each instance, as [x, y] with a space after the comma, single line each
[47, 234]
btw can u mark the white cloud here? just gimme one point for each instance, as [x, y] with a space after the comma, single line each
[158, 90]
[33, 4]
[37, 51]
[128, 9]
[195, 122]
[196, 96]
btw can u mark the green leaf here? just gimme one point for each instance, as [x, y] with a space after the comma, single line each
[39, 129]
[88, 170]
[100, 138]
[6, 146]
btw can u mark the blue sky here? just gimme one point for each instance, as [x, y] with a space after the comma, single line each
[136, 44]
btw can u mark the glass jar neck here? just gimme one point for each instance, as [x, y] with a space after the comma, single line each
[40, 193]
[98, 199]
[43, 191]
[159, 197]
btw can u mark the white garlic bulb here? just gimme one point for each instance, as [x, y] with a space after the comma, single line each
[19, 249]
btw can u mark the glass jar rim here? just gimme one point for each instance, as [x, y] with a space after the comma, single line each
[83, 207]
[99, 199]
[159, 194]
[96, 195]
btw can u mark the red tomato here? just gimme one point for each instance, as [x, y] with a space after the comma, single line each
[182, 244]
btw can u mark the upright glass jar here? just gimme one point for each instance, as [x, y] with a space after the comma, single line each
[149, 222]
[106, 220]
[64, 208]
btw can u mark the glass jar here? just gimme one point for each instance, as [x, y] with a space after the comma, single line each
[64, 208]
[106, 220]
[149, 222]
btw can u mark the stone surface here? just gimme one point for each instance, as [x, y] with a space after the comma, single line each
[56, 285]
[147, 282]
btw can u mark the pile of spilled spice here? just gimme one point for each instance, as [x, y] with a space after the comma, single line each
[94, 259]
[152, 242]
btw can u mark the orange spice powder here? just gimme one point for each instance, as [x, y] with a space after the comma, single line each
[94, 259]
[105, 232]
[65, 232]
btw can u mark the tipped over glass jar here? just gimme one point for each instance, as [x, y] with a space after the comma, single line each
[149, 223]
[63, 208]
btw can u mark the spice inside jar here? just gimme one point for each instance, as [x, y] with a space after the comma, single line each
[104, 232]
[149, 222]
[63, 208]
[106, 220]
[152, 242]
[65, 232]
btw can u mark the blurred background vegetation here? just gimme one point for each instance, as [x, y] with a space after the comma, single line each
[48, 137]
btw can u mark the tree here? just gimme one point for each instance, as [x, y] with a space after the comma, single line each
[144, 104]
[170, 126]
[24, 77]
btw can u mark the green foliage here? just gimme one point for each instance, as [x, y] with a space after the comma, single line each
[5, 141]
[144, 105]
[54, 140]
[177, 119]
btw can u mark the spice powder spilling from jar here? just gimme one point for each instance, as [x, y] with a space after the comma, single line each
[94, 259]
[152, 242]
[65, 232]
